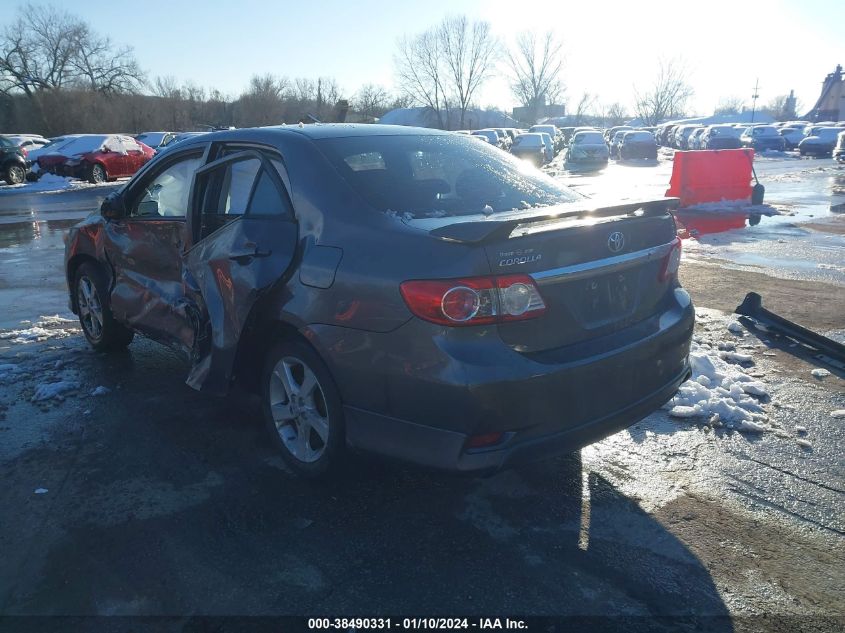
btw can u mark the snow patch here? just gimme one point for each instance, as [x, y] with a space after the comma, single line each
[736, 328]
[40, 491]
[50, 390]
[736, 357]
[720, 391]
[100, 391]
[43, 329]
[820, 373]
[838, 414]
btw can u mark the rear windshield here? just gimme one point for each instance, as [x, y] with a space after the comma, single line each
[529, 140]
[639, 137]
[435, 176]
[589, 137]
[151, 139]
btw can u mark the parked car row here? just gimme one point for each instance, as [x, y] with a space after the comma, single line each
[809, 139]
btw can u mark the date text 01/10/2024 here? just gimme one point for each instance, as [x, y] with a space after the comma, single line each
[416, 623]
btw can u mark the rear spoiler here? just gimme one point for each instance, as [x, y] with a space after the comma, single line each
[479, 231]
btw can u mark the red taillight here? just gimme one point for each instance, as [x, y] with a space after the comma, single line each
[483, 441]
[474, 300]
[672, 261]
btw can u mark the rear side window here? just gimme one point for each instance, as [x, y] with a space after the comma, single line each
[241, 188]
[230, 187]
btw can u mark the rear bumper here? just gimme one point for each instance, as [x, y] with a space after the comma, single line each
[423, 409]
[635, 151]
[444, 449]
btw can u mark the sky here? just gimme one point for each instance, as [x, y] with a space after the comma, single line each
[611, 46]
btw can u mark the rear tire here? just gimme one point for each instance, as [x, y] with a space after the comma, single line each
[302, 409]
[101, 329]
[14, 174]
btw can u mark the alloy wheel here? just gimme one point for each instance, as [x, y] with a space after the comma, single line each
[98, 174]
[16, 175]
[90, 308]
[299, 410]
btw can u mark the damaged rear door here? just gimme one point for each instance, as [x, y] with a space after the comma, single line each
[246, 236]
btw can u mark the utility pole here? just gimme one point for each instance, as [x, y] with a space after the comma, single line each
[754, 98]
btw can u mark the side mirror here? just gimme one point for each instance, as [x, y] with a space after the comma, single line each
[112, 207]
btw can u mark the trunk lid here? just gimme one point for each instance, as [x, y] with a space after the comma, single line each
[597, 270]
[591, 285]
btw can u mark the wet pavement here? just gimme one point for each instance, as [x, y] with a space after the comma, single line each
[152, 499]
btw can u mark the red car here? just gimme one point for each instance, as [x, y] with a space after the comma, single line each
[97, 157]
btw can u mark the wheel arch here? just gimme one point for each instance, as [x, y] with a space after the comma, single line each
[255, 340]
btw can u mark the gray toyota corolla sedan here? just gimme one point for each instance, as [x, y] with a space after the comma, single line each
[404, 291]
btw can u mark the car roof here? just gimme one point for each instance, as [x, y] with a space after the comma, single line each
[340, 130]
[313, 131]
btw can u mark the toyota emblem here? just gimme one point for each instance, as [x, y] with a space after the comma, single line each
[616, 241]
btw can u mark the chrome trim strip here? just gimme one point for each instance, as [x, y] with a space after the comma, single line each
[602, 266]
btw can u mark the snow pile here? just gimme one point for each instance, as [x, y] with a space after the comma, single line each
[839, 414]
[720, 392]
[45, 328]
[100, 391]
[54, 320]
[820, 373]
[7, 369]
[50, 390]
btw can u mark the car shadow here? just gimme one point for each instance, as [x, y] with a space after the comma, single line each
[171, 502]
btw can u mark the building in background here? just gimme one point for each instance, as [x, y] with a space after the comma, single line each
[831, 102]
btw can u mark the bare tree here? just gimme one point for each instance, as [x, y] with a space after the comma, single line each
[46, 48]
[262, 102]
[667, 96]
[469, 54]
[443, 68]
[615, 114]
[729, 105]
[585, 106]
[103, 67]
[782, 108]
[371, 100]
[420, 73]
[536, 68]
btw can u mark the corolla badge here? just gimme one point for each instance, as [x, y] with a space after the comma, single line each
[616, 241]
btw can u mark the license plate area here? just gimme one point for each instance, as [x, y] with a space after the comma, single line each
[608, 298]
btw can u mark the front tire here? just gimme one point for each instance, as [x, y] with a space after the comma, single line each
[14, 174]
[302, 409]
[97, 174]
[101, 329]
